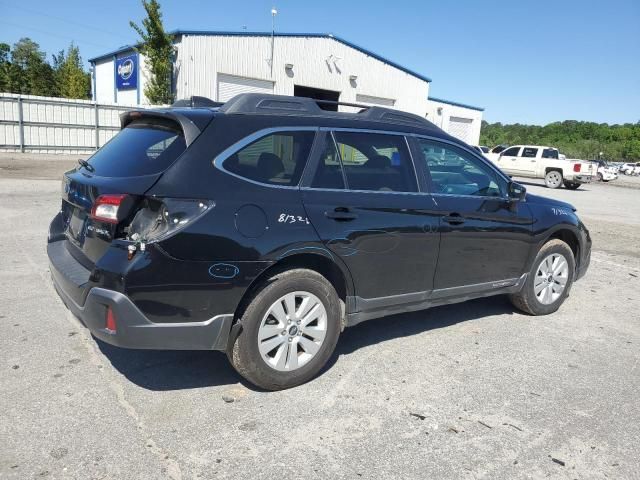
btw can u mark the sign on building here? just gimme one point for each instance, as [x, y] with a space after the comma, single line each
[127, 72]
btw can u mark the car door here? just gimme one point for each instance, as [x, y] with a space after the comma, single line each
[364, 201]
[507, 160]
[485, 239]
[527, 161]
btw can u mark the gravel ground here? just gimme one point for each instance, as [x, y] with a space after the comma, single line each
[475, 390]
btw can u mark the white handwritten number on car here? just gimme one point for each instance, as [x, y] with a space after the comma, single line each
[286, 218]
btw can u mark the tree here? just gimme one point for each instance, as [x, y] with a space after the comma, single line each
[157, 47]
[5, 50]
[29, 73]
[71, 79]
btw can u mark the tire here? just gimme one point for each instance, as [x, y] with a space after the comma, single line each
[571, 185]
[553, 179]
[279, 369]
[599, 177]
[546, 301]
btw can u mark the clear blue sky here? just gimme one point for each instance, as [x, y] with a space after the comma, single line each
[524, 61]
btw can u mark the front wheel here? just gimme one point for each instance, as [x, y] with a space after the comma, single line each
[549, 280]
[553, 179]
[288, 330]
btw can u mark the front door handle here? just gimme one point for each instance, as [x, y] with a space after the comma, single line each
[341, 214]
[453, 219]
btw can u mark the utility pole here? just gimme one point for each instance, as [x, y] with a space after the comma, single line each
[274, 12]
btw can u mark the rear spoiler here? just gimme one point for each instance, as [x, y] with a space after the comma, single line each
[191, 125]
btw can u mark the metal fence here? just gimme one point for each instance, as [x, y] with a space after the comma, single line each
[30, 123]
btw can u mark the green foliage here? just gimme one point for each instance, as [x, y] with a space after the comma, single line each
[24, 70]
[157, 47]
[72, 80]
[575, 139]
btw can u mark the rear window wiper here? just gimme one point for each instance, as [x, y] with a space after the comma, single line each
[86, 165]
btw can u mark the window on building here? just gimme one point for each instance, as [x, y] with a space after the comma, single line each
[276, 159]
[455, 172]
[376, 162]
[528, 152]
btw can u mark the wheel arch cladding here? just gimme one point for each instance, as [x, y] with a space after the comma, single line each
[321, 264]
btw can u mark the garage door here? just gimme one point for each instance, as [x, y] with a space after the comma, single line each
[460, 128]
[230, 85]
[371, 100]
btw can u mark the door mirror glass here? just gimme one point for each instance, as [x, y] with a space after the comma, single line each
[517, 191]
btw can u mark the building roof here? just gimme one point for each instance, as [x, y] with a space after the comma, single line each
[127, 48]
[456, 104]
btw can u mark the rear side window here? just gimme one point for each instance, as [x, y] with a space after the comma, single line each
[550, 153]
[276, 159]
[329, 173]
[529, 152]
[376, 162]
[139, 149]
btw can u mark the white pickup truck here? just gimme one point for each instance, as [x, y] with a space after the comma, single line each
[537, 161]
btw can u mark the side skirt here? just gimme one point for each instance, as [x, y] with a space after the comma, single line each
[370, 308]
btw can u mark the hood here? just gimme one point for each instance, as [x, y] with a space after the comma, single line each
[550, 202]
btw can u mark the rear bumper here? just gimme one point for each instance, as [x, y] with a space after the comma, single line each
[583, 178]
[133, 328]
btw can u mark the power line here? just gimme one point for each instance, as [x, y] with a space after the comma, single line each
[61, 19]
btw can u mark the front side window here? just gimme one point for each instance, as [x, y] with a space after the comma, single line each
[455, 172]
[275, 159]
[376, 162]
[511, 152]
[529, 152]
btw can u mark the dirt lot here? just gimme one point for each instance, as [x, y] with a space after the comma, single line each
[474, 390]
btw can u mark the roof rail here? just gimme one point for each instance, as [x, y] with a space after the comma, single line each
[196, 101]
[254, 103]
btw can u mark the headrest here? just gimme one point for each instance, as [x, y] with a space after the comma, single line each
[378, 161]
[269, 166]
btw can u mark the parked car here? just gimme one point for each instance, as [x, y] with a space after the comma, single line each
[605, 173]
[630, 168]
[265, 226]
[536, 161]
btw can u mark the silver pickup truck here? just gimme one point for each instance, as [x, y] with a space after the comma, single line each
[537, 161]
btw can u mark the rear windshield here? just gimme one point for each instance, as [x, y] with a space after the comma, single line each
[139, 149]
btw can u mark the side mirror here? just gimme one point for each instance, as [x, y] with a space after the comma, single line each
[516, 191]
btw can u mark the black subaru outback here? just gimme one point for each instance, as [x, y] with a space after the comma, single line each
[265, 226]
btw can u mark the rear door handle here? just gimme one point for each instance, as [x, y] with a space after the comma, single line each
[341, 214]
[453, 219]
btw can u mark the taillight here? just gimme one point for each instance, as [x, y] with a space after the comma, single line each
[159, 218]
[577, 167]
[110, 321]
[107, 207]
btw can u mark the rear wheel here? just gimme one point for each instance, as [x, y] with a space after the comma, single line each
[289, 330]
[549, 280]
[600, 177]
[571, 185]
[553, 179]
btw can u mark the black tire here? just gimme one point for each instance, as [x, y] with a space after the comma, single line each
[571, 185]
[244, 353]
[599, 177]
[553, 179]
[526, 299]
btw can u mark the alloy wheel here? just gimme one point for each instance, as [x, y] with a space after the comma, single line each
[292, 331]
[551, 278]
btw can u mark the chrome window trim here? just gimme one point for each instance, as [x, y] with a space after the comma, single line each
[218, 161]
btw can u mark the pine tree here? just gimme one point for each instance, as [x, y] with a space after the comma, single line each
[157, 47]
[72, 81]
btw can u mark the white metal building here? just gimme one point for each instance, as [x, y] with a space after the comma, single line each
[220, 65]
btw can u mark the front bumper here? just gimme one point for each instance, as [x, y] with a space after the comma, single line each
[133, 328]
